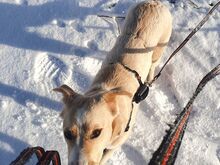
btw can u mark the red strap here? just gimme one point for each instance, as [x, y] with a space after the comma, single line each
[50, 156]
[27, 153]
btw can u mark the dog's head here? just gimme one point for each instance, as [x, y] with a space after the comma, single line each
[89, 124]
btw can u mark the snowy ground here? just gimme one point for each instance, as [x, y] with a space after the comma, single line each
[45, 43]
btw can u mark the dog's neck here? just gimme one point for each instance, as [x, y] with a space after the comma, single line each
[113, 76]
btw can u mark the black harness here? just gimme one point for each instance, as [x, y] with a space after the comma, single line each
[140, 94]
[143, 89]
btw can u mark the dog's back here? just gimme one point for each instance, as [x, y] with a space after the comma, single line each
[147, 21]
[145, 34]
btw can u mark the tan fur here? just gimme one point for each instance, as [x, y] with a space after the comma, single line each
[106, 106]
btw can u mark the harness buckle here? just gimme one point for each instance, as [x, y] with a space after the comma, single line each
[141, 93]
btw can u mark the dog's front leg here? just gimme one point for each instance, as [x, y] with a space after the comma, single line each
[150, 76]
[157, 53]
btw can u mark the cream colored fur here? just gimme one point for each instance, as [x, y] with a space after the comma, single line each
[107, 103]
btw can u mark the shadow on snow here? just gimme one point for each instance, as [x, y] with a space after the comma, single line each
[21, 97]
[15, 144]
[15, 19]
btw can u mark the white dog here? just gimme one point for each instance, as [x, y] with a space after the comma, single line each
[95, 123]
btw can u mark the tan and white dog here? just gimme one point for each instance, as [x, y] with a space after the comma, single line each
[94, 123]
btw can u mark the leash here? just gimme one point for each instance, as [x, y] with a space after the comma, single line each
[43, 158]
[201, 23]
[168, 149]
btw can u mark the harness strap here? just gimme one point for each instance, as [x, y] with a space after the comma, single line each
[139, 95]
[137, 76]
[143, 89]
[129, 120]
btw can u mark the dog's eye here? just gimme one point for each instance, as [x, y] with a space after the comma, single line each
[69, 135]
[95, 133]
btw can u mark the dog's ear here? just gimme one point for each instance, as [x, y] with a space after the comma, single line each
[68, 93]
[110, 99]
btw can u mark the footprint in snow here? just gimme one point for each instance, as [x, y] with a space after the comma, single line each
[83, 72]
[49, 70]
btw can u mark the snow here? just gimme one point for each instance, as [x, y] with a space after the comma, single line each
[46, 43]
